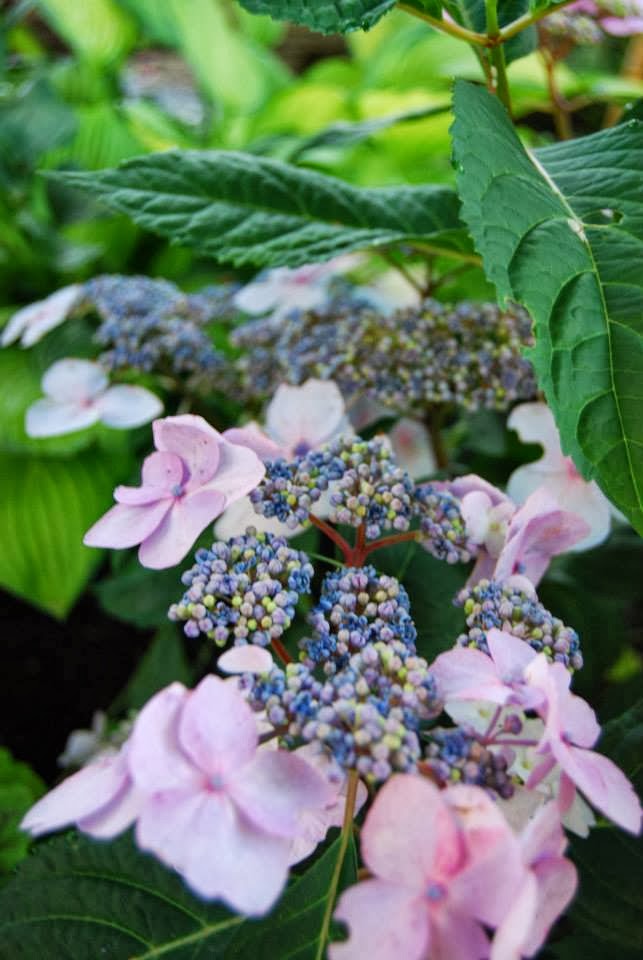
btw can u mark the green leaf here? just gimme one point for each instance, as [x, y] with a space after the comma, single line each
[547, 242]
[163, 662]
[325, 16]
[46, 506]
[80, 898]
[140, 596]
[431, 585]
[622, 740]
[97, 29]
[246, 209]
[33, 121]
[20, 787]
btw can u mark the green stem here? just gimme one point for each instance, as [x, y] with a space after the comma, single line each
[527, 19]
[446, 26]
[446, 252]
[497, 54]
[347, 829]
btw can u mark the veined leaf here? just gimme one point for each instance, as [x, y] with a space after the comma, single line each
[561, 232]
[81, 898]
[325, 16]
[246, 209]
[46, 505]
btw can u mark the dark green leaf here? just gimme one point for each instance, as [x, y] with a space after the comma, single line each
[20, 787]
[247, 209]
[562, 233]
[79, 898]
[325, 16]
[35, 121]
[46, 506]
[140, 596]
[622, 740]
[163, 662]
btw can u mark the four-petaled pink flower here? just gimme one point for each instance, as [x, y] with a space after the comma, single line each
[187, 483]
[468, 674]
[283, 290]
[443, 862]
[556, 473]
[298, 419]
[570, 730]
[78, 395]
[514, 540]
[548, 885]
[218, 810]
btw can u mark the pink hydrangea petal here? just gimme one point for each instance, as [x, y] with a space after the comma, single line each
[556, 885]
[274, 787]
[475, 507]
[74, 381]
[385, 922]
[193, 440]
[165, 470]
[165, 826]
[413, 448]
[155, 758]
[311, 414]
[252, 436]
[510, 654]
[543, 834]
[185, 519]
[140, 496]
[116, 816]
[407, 856]
[217, 728]
[37, 319]
[603, 784]
[240, 470]
[49, 418]
[483, 568]
[511, 936]
[626, 27]
[90, 791]
[585, 500]
[124, 407]
[484, 886]
[471, 483]
[456, 936]
[463, 674]
[250, 658]
[125, 526]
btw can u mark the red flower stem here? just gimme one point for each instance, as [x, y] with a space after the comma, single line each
[281, 651]
[333, 535]
[390, 541]
[514, 743]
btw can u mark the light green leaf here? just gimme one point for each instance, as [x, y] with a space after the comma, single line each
[562, 233]
[80, 898]
[20, 787]
[325, 16]
[46, 505]
[97, 29]
[251, 210]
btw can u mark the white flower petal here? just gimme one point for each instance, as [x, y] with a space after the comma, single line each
[37, 319]
[47, 418]
[306, 416]
[124, 406]
[412, 448]
[74, 381]
[534, 423]
[240, 515]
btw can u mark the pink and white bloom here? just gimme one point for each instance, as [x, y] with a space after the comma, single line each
[556, 473]
[298, 419]
[283, 290]
[468, 674]
[443, 863]
[78, 395]
[570, 730]
[548, 886]
[32, 322]
[218, 810]
[100, 800]
[514, 540]
[412, 448]
[188, 482]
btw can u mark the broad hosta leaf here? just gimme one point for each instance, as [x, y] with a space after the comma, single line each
[246, 209]
[80, 898]
[562, 233]
[46, 505]
[97, 29]
[325, 16]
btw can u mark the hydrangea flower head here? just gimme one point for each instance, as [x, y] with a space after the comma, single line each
[78, 395]
[187, 482]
